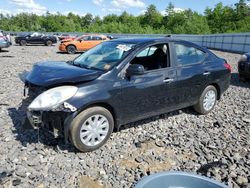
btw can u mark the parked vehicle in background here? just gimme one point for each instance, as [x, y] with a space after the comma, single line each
[244, 67]
[5, 40]
[82, 43]
[67, 37]
[122, 81]
[35, 38]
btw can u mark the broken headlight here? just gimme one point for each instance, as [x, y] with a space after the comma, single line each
[52, 98]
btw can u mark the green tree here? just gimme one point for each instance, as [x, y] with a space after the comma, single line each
[152, 17]
[219, 19]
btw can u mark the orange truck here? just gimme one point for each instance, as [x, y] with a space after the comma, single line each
[82, 43]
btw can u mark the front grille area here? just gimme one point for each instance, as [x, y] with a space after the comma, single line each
[53, 121]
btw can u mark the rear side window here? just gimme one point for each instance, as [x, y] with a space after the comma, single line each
[187, 55]
[87, 38]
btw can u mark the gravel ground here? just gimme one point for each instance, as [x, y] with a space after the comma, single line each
[216, 145]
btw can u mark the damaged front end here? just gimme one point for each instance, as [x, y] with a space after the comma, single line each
[49, 108]
[53, 120]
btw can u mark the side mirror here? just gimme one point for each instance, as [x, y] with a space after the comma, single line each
[135, 69]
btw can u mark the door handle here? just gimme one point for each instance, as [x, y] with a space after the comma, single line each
[168, 80]
[206, 73]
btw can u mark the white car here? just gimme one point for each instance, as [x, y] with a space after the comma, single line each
[4, 41]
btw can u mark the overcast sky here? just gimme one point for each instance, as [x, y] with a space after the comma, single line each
[101, 7]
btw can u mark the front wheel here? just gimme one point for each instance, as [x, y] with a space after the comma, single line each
[91, 129]
[23, 43]
[207, 100]
[71, 49]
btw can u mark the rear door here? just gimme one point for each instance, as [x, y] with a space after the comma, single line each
[191, 72]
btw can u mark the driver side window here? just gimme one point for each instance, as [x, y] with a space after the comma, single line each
[153, 57]
[147, 52]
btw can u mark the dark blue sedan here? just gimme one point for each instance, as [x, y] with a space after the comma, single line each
[244, 66]
[122, 81]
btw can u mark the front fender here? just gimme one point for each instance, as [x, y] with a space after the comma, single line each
[68, 124]
[91, 95]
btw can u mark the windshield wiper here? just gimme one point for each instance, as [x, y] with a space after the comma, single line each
[70, 62]
[85, 66]
[76, 64]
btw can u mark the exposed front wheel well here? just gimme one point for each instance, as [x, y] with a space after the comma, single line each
[108, 107]
[71, 45]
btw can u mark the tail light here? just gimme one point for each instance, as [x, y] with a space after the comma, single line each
[228, 67]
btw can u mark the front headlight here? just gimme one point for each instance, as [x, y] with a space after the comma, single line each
[243, 58]
[52, 98]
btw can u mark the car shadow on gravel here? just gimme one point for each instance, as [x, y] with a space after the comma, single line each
[235, 81]
[27, 135]
[7, 56]
[188, 110]
[4, 51]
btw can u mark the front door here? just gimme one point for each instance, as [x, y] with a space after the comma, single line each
[84, 43]
[154, 92]
[35, 39]
[149, 94]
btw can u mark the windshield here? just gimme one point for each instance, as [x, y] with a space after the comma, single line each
[104, 56]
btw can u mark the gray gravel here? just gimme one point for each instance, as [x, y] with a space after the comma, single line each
[216, 145]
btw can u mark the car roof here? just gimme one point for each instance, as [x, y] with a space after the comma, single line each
[141, 40]
[85, 35]
[148, 40]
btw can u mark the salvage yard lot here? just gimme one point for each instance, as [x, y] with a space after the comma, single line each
[181, 140]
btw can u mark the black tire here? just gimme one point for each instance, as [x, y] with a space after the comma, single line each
[80, 119]
[71, 49]
[48, 43]
[23, 42]
[199, 107]
[0, 49]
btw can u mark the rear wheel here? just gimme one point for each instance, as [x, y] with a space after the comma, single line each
[71, 49]
[91, 129]
[48, 43]
[207, 100]
[23, 43]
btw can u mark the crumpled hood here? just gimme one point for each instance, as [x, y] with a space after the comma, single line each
[48, 74]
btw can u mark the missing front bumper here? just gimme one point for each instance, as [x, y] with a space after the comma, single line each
[53, 122]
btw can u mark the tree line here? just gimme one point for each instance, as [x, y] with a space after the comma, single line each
[220, 19]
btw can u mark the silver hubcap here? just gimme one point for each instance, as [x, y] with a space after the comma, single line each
[209, 100]
[94, 130]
